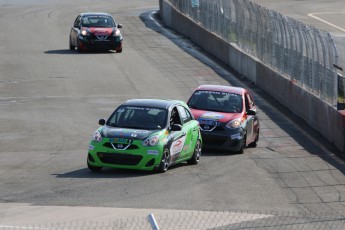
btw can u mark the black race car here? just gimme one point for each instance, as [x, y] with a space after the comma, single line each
[95, 31]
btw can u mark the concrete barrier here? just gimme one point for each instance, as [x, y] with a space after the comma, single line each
[321, 116]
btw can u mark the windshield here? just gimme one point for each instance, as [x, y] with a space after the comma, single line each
[97, 21]
[137, 117]
[216, 101]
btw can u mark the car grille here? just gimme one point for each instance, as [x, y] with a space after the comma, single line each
[214, 140]
[119, 158]
[210, 128]
[120, 146]
[102, 38]
[207, 127]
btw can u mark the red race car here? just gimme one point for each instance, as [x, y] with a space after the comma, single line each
[227, 115]
[95, 31]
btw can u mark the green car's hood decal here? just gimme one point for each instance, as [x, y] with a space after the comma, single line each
[135, 134]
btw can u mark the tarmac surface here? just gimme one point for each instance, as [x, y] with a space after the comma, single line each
[51, 99]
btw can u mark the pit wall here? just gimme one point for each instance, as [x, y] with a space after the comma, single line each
[321, 116]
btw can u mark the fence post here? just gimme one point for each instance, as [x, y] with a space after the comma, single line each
[153, 222]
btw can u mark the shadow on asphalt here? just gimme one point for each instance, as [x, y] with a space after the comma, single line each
[213, 153]
[116, 173]
[75, 52]
[104, 173]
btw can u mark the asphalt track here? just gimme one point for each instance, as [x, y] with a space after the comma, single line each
[324, 15]
[51, 99]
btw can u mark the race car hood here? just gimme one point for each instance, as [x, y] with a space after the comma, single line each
[216, 116]
[100, 31]
[135, 134]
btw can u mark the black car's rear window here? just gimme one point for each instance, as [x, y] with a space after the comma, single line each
[97, 21]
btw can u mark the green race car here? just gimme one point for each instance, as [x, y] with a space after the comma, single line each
[146, 134]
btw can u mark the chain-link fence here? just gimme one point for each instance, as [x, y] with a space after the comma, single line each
[301, 52]
[201, 220]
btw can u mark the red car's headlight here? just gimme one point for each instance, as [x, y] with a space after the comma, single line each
[234, 124]
[85, 32]
[117, 32]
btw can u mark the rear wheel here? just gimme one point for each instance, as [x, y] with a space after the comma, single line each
[165, 162]
[196, 155]
[94, 168]
[254, 143]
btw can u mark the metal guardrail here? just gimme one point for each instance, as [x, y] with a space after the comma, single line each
[301, 52]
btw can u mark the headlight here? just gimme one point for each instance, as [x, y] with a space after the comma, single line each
[97, 136]
[151, 141]
[234, 124]
[117, 32]
[85, 32]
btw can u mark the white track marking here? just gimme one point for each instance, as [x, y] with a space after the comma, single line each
[326, 22]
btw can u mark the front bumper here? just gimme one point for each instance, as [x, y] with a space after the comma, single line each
[223, 139]
[139, 158]
[110, 43]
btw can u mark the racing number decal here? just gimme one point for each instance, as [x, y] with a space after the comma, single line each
[176, 148]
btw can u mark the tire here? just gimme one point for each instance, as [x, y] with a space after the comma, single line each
[119, 50]
[196, 155]
[79, 47]
[94, 168]
[71, 47]
[254, 143]
[243, 145]
[165, 162]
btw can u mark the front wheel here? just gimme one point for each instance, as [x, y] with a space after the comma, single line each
[71, 47]
[119, 50]
[243, 145]
[94, 168]
[165, 162]
[79, 46]
[196, 155]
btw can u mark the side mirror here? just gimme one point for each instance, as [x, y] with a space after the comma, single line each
[101, 122]
[176, 127]
[119, 26]
[251, 112]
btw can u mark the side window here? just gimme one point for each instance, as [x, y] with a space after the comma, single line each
[184, 113]
[175, 117]
[247, 103]
[250, 101]
[77, 21]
